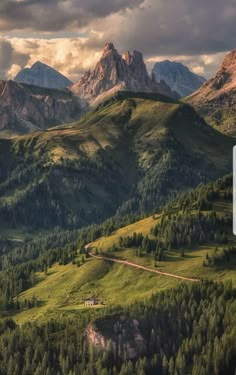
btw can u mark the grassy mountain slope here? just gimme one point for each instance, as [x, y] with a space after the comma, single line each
[131, 154]
[63, 289]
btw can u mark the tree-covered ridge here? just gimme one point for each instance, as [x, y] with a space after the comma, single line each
[138, 146]
[198, 217]
[187, 330]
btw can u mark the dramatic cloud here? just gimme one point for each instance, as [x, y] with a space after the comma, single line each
[69, 34]
[57, 15]
[180, 27]
[74, 56]
[70, 56]
[9, 57]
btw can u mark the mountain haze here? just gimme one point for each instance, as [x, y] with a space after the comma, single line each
[178, 77]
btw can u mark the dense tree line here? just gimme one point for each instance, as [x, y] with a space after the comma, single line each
[188, 221]
[181, 230]
[187, 330]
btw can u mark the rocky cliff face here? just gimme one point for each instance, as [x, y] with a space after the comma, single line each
[216, 99]
[119, 332]
[44, 76]
[178, 77]
[25, 108]
[113, 73]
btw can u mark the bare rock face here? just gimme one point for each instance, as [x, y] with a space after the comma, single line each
[216, 99]
[178, 77]
[44, 76]
[25, 108]
[113, 73]
[120, 334]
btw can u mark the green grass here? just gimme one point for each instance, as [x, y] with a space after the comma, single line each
[64, 288]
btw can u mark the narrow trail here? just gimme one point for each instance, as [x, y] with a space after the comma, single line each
[141, 267]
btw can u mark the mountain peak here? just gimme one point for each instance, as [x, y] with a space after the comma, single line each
[178, 77]
[114, 72]
[42, 75]
[226, 74]
[108, 47]
[38, 64]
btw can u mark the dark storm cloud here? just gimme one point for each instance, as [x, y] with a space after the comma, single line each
[9, 56]
[55, 15]
[6, 52]
[180, 27]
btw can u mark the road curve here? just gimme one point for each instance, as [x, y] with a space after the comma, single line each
[141, 267]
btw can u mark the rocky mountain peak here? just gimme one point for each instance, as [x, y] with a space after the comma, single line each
[216, 99]
[114, 72]
[108, 48]
[226, 74]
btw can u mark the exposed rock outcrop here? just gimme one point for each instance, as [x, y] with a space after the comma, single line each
[25, 108]
[216, 99]
[178, 77]
[120, 333]
[44, 76]
[113, 73]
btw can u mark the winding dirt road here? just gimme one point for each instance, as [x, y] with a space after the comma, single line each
[141, 267]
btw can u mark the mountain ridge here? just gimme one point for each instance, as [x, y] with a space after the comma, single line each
[115, 73]
[26, 108]
[216, 99]
[145, 149]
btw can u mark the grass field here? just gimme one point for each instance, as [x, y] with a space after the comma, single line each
[63, 290]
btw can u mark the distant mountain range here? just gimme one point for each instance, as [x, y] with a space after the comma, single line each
[216, 99]
[178, 77]
[114, 73]
[43, 75]
[26, 107]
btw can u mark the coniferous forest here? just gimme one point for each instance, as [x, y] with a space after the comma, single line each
[187, 330]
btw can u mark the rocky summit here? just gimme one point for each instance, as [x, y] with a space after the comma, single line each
[178, 77]
[26, 108]
[114, 72]
[44, 76]
[216, 99]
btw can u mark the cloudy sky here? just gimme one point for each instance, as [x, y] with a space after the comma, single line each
[69, 34]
